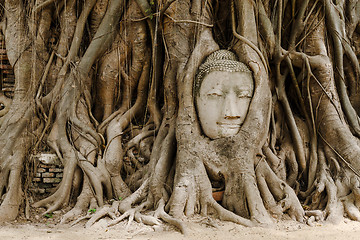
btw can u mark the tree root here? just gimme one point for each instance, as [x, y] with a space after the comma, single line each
[106, 210]
[160, 213]
[84, 202]
[135, 213]
[332, 210]
[351, 202]
[277, 196]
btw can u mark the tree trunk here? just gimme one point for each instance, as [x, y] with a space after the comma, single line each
[110, 87]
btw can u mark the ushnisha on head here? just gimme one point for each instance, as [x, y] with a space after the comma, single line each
[220, 60]
[223, 91]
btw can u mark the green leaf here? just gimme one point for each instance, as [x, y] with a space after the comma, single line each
[92, 210]
[48, 215]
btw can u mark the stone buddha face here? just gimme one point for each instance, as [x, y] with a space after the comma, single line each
[222, 101]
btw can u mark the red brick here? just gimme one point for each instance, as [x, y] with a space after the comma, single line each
[8, 71]
[41, 170]
[48, 175]
[38, 190]
[9, 80]
[51, 180]
[5, 66]
[56, 170]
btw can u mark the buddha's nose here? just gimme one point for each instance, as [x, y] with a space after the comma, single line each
[230, 109]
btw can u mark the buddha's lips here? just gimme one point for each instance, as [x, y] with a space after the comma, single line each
[228, 125]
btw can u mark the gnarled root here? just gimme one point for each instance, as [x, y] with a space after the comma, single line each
[323, 195]
[75, 141]
[106, 210]
[242, 196]
[277, 195]
[84, 202]
[192, 192]
[15, 142]
[352, 201]
[125, 208]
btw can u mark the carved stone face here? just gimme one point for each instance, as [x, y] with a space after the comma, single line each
[223, 101]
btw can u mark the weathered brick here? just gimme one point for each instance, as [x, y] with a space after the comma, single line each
[44, 185]
[59, 175]
[5, 66]
[36, 179]
[38, 190]
[51, 180]
[55, 170]
[7, 71]
[41, 190]
[48, 175]
[41, 170]
[38, 174]
[44, 166]
[48, 158]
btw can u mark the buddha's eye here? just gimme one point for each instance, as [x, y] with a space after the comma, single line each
[215, 93]
[2, 106]
[244, 94]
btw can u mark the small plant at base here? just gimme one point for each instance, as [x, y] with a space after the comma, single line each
[120, 198]
[92, 210]
[48, 215]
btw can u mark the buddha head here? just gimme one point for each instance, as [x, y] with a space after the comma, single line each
[223, 91]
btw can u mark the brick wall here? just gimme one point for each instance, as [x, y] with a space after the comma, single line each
[7, 78]
[49, 173]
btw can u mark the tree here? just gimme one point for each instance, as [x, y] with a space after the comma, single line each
[108, 86]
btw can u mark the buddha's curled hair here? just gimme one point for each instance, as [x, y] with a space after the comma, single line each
[220, 60]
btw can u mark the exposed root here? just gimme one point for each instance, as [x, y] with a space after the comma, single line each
[72, 146]
[15, 135]
[82, 204]
[351, 207]
[106, 210]
[351, 202]
[160, 213]
[192, 194]
[277, 195]
[135, 213]
[324, 185]
[135, 141]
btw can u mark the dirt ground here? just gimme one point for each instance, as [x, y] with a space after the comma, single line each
[199, 229]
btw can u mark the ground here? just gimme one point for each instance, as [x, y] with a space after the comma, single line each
[200, 229]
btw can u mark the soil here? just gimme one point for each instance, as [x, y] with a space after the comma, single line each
[199, 229]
